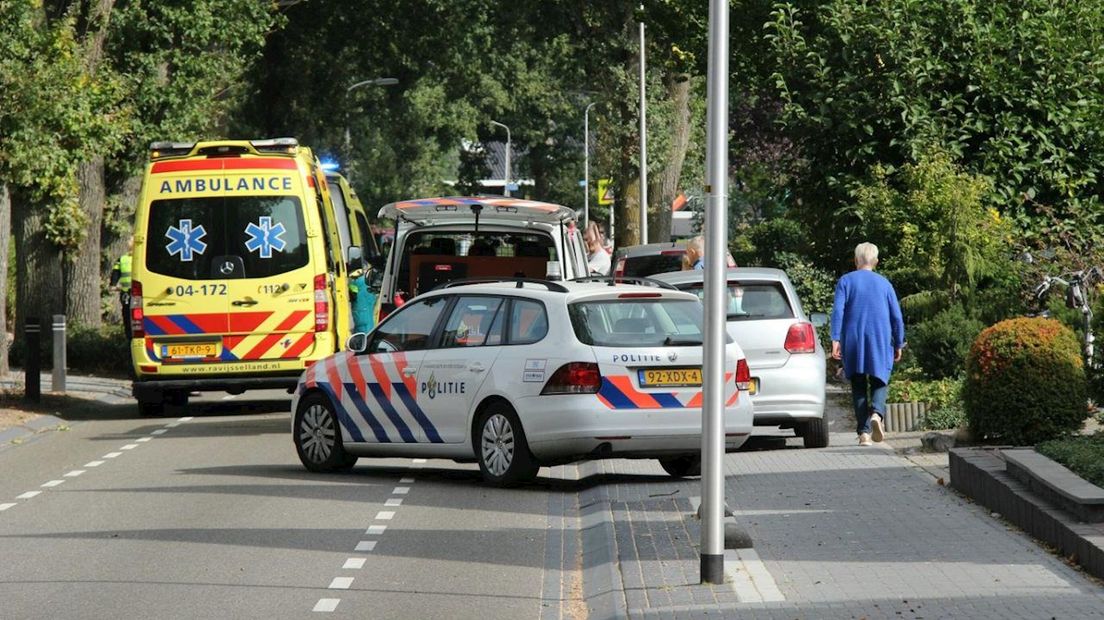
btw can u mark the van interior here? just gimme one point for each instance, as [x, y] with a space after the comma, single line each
[432, 258]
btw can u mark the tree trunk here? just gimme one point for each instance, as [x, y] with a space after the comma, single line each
[664, 185]
[83, 282]
[38, 266]
[5, 237]
[628, 194]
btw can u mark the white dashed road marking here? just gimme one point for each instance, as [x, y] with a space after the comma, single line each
[129, 446]
[74, 473]
[366, 545]
[419, 461]
[143, 440]
[341, 583]
[406, 480]
[93, 463]
[112, 455]
[4, 507]
[400, 491]
[326, 604]
[160, 431]
[351, 563]
[28, 495]
[385, 515]
[376, 530]
[393, 502]
[53, 483]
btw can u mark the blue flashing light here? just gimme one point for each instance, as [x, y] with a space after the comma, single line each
[331, 166]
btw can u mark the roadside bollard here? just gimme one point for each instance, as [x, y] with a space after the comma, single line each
[59, 353]
[33, 365]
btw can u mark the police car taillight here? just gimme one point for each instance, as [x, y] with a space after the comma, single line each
[743, 375]
[574, 378]
[137, 329]
[321, 306]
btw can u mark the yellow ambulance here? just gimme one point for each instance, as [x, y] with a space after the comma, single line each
[240, 277]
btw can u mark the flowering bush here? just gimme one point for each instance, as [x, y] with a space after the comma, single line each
[1025, 382]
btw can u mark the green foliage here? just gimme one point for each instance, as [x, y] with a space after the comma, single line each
[931, 225]
[1012, 90]
[100, 351]
[949, 416]
[1083, 455]
[1025, 382]
[941, 343]
[815, 286]
[938, 394]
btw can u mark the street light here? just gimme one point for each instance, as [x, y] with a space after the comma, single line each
[586, 165]
[643, 140]
[383, 81]
[506, 188]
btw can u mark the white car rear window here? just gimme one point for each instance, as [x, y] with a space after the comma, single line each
[749, 301]
[637, 322]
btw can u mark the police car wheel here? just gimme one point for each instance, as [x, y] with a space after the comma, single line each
[500, 445]
[681, 466]
[814, 433]
[318, 438]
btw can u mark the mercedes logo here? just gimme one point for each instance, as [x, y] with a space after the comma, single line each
[226, 268]
[672, 356]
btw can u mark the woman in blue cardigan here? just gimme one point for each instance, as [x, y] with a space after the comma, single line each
[868, 334]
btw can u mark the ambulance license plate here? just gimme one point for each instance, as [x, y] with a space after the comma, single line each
[670, 377]
[190, 351]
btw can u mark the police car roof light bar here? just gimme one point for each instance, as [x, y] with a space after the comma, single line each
[614, 280]
[552, 286]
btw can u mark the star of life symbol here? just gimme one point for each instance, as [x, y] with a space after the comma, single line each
[265, 237]
[185, 240]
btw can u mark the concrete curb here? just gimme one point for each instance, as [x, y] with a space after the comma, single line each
[37, 426]
[981, 474]
[603, 586]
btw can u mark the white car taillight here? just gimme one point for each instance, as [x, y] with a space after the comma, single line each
[574, 378]
[801, 338]
[321, 305]
[743, 375]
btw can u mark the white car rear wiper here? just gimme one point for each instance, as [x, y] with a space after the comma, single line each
[671, 341]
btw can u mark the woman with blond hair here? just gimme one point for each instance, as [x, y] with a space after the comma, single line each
[868, 335]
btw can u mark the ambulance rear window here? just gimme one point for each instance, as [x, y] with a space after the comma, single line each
[221, 237]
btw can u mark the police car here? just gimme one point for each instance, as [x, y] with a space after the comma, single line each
[520, 373]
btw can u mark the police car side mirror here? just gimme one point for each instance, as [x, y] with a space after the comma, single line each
[818, 319]
[357, 343]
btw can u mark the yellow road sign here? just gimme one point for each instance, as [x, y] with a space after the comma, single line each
[605, 191]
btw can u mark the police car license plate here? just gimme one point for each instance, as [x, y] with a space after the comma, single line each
[670, 377]
[190, 351]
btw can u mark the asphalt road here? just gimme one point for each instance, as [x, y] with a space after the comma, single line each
[209, 514]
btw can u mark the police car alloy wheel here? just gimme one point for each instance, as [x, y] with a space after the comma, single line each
[318, 437]
[500, 444]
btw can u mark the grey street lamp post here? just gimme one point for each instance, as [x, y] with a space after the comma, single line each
[586, 164]
[643, 142]
[383, 81]
[506, 185]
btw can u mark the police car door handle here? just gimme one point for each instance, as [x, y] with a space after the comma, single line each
[243, 302]
[476, 367]
[409, 372]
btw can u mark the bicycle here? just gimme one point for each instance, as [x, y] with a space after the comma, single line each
[1077, 283]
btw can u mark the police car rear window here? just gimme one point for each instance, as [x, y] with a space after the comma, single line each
[637, 323]
[217, 238]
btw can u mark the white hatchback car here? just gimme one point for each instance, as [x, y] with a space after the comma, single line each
[518, 374]
[787, 360]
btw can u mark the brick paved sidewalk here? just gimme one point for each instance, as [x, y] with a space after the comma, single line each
[845, 532]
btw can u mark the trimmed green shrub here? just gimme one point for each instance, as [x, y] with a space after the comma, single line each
[937, 394]
[1025, 382]
[941, 343]
[951, 415]
[1083, 455]
[102, 351]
